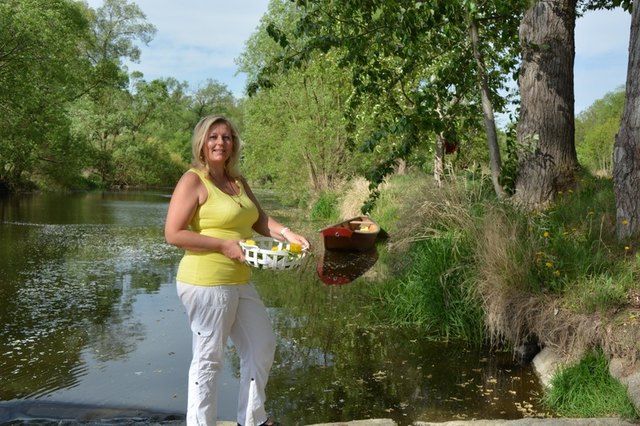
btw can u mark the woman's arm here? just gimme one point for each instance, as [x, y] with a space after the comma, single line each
[269, 227]
[187, 196]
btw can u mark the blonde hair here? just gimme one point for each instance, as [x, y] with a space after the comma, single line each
[199, 139]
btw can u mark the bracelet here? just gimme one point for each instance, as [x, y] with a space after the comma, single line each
[283, 230]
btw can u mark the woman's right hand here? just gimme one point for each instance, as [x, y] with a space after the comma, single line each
[232, 249]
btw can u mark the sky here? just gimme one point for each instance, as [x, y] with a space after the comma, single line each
[201, 39]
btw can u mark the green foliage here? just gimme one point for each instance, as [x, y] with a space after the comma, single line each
[509, 173]
[410, 69]
[41, 73]
[605, 4]
[294, 132]
[325, 207]
[117, 25]
[588, 390]
[596, 129]
[144, 164]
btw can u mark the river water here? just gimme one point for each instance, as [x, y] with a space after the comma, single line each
[91, 327]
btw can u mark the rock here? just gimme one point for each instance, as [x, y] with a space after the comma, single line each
[629, 375]
[546, 363]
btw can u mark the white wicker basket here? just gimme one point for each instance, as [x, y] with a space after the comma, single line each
[268, 253]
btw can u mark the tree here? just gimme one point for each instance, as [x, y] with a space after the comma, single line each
[411, 71]
[546, 132]
[213, 97]
[295, 135]
[626, 157]
[41, 72]
[102, 118]
[116, 27]
[596, 130]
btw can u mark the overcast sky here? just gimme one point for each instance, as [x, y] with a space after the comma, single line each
[200, 39]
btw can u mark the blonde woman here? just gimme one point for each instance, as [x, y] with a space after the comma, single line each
[212, 208]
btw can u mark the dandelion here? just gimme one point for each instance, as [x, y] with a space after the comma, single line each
[625, 222]
[545, 234]
[549, 264]
[556, 273]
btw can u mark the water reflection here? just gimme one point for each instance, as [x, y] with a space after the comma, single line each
[342, 267]
[89, 316]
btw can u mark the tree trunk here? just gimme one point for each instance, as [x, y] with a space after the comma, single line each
[487, 112]
[546, 128]
[438, 160]
[626, 151]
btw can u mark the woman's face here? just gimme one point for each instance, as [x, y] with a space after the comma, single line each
[218, 146]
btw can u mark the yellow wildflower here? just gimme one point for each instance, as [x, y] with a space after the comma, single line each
[545, 234]
[549, 264]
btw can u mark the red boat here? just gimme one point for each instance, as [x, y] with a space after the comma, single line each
[356, 234]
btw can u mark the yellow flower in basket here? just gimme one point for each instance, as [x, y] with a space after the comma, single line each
[295, 248]
[250, 242]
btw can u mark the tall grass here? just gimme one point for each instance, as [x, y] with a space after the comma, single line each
[587, 390]
[432, 292]
[432, 253]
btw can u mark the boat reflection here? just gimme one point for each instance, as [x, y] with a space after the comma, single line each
[342, 267]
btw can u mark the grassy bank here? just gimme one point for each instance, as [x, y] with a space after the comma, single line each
[468, 266]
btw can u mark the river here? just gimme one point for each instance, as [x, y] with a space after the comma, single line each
[91, 327]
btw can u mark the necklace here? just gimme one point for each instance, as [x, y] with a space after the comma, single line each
[228, 189]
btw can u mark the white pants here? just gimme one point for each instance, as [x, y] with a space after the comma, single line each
[215, 314]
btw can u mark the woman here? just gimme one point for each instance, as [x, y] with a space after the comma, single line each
[212, 208]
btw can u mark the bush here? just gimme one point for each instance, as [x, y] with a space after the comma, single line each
[325, 207]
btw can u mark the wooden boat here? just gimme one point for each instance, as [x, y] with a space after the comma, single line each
[355, 234]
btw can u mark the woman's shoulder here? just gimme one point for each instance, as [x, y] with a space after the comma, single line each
[192, 177]
[194, 171]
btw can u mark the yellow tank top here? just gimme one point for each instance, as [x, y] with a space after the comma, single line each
[221, 216]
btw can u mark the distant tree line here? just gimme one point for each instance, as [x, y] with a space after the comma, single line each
[72, 116]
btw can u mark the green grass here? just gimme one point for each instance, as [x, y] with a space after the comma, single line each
[432, 292]
[587, 390]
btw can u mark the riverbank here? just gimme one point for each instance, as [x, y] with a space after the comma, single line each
[601, 421]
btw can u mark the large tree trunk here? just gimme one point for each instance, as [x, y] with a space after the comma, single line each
[626, 151]
[546, 128]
